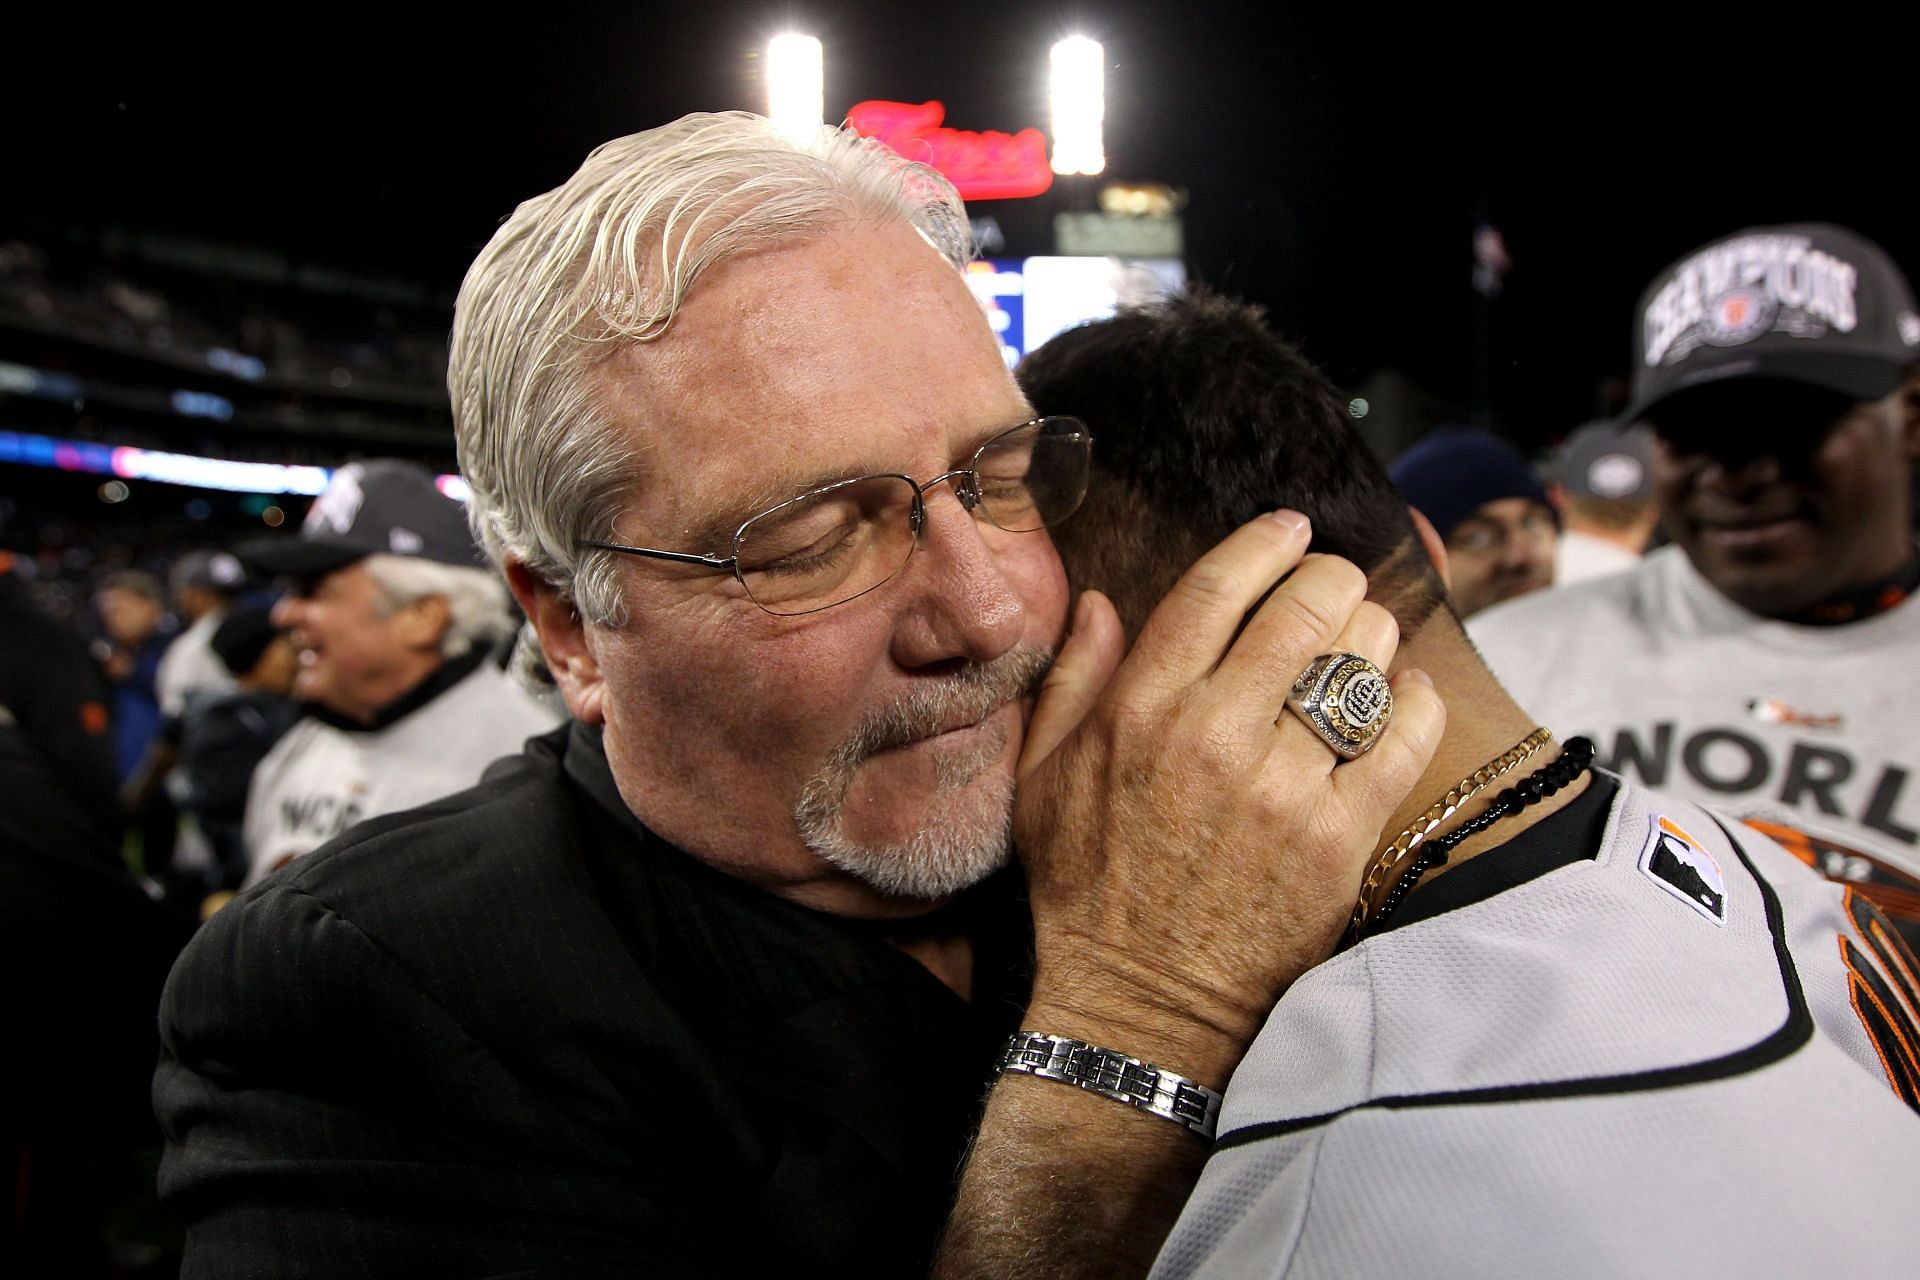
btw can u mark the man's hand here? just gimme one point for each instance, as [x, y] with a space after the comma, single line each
[1191, 848]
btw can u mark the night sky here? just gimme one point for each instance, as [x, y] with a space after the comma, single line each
[1337, 159]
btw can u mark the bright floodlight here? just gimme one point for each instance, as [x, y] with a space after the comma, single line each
[1079, 105]
[795, 85]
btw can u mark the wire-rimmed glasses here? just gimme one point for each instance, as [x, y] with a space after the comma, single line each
[835, 543]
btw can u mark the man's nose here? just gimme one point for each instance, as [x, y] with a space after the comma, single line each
[286, 612]
[967, 606]
[1740, 472]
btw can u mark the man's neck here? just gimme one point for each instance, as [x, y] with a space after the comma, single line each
[1483, 723]
[1873, 595]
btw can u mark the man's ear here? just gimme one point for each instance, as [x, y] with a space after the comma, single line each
[1435, 546]
[563, 639]
[423, 622]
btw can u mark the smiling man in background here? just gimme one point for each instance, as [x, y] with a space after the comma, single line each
[392, 618]
[1765, 662]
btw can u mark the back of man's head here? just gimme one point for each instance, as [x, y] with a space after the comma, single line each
[1202, 419]
[602, 263]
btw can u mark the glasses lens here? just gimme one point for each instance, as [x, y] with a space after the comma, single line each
[827, 546]
[1035, 475]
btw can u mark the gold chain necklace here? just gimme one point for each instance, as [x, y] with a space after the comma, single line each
[1392, 860]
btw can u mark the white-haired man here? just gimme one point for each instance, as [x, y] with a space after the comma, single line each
[393, 618]
[712, 980]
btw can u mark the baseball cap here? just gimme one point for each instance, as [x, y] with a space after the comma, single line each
[1806, 302]
[217, 570]
[379, 507]
[1453, 472]
[1607, 460]
[243, 636]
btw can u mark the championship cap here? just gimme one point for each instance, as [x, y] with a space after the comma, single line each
[1608, 461]
[1809, 302]
[380, 507]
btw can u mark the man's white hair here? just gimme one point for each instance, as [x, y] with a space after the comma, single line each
[477, 607]
[604, 261]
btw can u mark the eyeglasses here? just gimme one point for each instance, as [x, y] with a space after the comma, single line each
[840, 541]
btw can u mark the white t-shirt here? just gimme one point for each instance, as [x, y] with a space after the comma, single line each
[1580, 556]
[1809, 733]
[320, 779]
[1646, 1064]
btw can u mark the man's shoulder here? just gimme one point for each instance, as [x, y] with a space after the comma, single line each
[521, 804]
[472, 884]
[511, 707]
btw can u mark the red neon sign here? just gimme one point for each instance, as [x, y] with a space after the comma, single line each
[981, 166]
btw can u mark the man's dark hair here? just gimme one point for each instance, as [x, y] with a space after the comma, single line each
[1202, 419]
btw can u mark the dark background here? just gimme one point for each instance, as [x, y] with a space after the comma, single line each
[1337, 156]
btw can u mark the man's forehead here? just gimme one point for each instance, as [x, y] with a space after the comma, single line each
[852, 351]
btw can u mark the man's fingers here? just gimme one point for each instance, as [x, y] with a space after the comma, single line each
[1371, 632]
[1188, 631]
[1375, 785]
[1313, 612]
[1080, 672]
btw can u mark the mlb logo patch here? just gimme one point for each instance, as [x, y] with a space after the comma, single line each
[1675, 861]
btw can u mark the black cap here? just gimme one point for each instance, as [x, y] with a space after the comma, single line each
[1809, 302]
[381, 507]
[1450, 473]
[1606, 460]
[242, 637]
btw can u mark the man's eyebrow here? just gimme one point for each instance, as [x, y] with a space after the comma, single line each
[716, 533]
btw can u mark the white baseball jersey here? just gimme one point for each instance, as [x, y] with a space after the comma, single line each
[1805, 732]
[190, 667]
[1684, 1057]
[321, 779]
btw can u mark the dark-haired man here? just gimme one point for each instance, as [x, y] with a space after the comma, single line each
[1765, 661]
[1601, 1037]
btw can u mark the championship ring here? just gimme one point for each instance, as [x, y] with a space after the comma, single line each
[1345, 700]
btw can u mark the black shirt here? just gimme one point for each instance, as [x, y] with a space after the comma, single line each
[515, 1032]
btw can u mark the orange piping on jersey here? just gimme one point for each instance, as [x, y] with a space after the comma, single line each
[1856, 987]
[1792, 839]
[1893, 948]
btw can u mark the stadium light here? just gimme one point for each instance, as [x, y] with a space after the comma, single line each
[1079, 105]
[795, 85]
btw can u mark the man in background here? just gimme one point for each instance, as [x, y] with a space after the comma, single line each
[1603, 489]
[204, 584]
[132, 612]
[1485, 502]
[393, 620]
[1765, 661]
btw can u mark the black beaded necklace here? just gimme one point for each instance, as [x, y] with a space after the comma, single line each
[1575, 756]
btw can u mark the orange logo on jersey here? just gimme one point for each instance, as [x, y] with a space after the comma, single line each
[93, 718]
[1885, 989]
[1774, 711]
